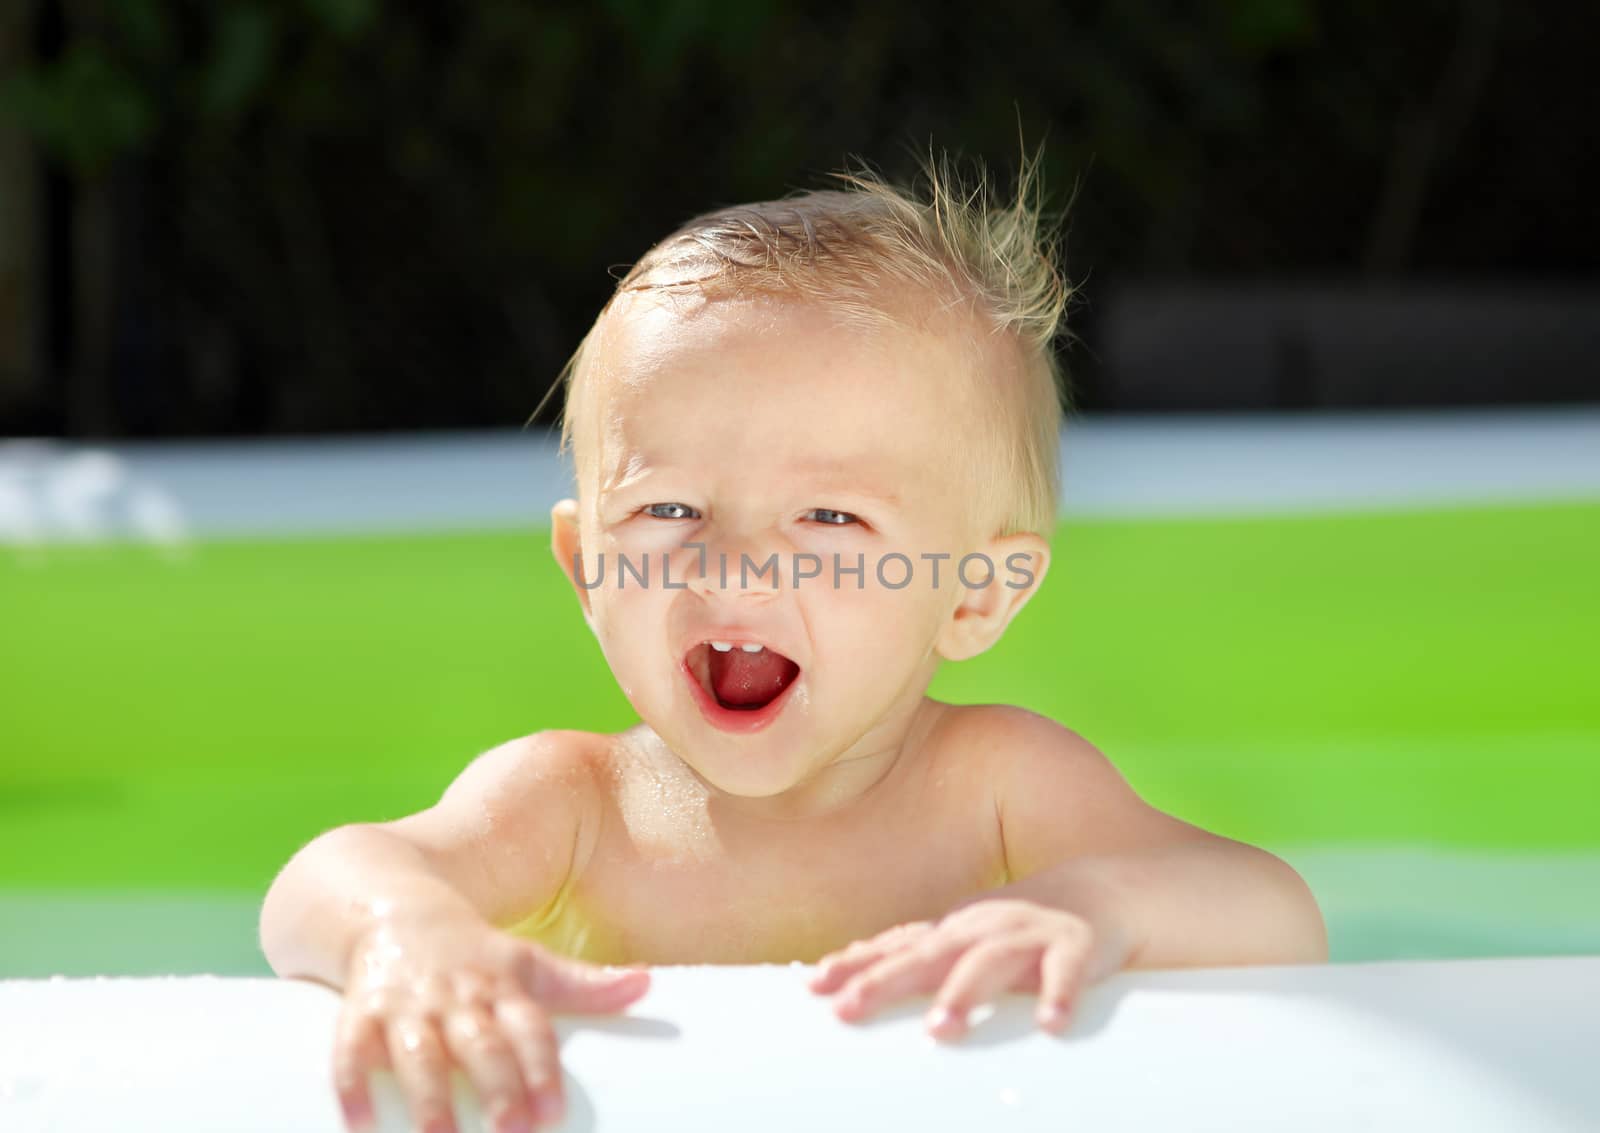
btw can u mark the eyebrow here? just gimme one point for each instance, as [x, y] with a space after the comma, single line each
[835, 476]
[827, 479]
[635, 467]
[845, 488]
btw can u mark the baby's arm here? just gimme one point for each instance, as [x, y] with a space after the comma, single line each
[1077, 837]
[402, 916]
[1100, 881]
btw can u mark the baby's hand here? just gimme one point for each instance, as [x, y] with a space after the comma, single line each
[424, 998]
[975, 953]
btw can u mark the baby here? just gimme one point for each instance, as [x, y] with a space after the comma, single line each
[815, 444]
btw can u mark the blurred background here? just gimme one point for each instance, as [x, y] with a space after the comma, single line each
[281, 280]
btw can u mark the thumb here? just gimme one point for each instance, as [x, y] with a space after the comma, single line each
[560, 984]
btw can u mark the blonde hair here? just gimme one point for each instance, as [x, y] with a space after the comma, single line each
[857, 248]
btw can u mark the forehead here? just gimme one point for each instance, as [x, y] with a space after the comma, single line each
[678, 380]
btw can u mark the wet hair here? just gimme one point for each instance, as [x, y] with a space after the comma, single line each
[860, 249]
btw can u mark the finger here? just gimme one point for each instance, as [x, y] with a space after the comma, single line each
[890, 938]
[473, 1038]
[1061, 974]
[559, 984]
[834, 969]
[913, 970]
[422, 1069]
[982, 972]
[358, 1049]
[533, 1043]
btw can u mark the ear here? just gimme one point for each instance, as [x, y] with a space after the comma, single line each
[567, 547]
[1020, 562]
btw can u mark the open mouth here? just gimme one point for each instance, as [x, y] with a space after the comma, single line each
[740, 677]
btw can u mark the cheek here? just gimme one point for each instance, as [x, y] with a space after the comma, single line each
[643, 538]
[877, 633]
[626, 621]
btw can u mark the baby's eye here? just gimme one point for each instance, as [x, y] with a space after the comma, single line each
[833, 518]
[671, 511]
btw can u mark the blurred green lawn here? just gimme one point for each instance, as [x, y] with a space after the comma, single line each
[1423, 677]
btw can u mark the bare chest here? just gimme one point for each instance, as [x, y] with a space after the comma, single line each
[669, 884]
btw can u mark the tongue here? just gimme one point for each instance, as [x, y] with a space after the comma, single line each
[748, 680]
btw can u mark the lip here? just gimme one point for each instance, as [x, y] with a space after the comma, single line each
[728, 719]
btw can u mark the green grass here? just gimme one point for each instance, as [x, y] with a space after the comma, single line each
[1424, 677]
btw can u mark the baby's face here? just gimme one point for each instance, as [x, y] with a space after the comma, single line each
[743, 431]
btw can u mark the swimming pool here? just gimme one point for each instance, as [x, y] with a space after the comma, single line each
[1366, 644]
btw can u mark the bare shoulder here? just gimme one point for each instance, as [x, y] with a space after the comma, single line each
[532, 766]
[514, 824]
[1013, 740]
[1056, 794]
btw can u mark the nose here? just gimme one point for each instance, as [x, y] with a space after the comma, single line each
[743, 568]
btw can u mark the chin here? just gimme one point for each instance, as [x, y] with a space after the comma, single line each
[748, 770]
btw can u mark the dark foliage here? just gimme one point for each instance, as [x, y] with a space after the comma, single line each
[345, 214]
